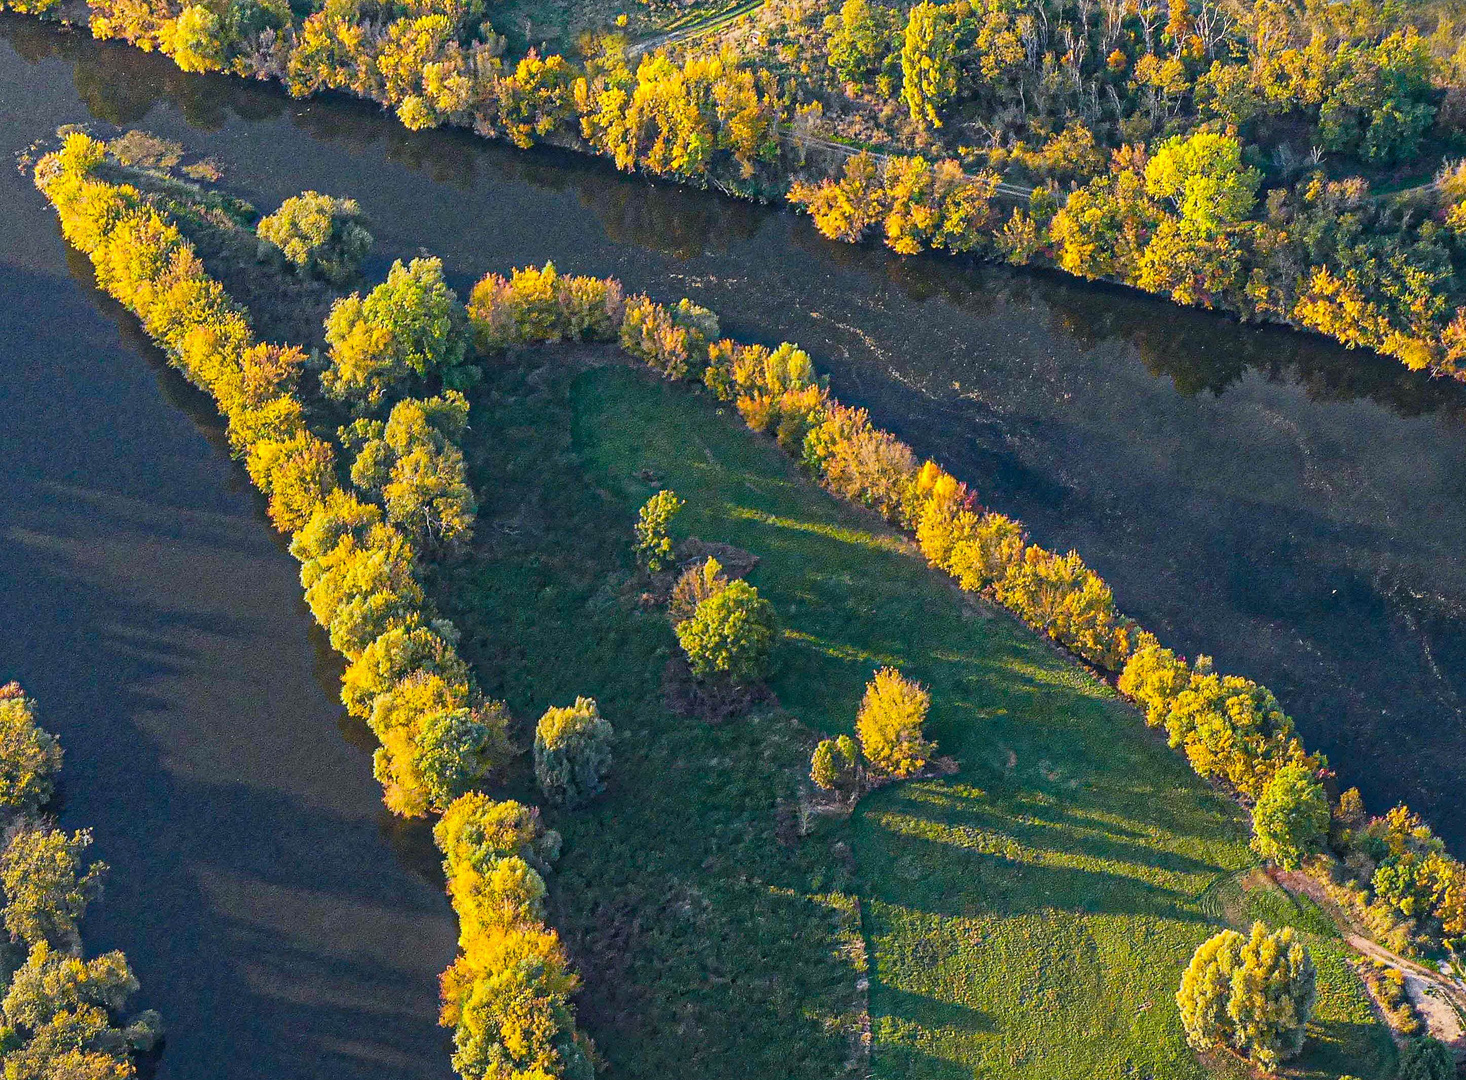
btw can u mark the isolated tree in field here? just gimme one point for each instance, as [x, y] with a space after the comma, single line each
[653, 545]
[410, 325]
[46, 888]
[1426, 1059]
[319, 234]
[30, 757]
[890, 724]
[1251, 994]
[928, 63]
[1291, 817]
[572, 751]
[834, 764]
[731, 634]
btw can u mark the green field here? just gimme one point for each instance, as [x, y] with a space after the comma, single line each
[1027, 917]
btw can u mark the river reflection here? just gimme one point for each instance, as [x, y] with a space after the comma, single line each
[1290, 507]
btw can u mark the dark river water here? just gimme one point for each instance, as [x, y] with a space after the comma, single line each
[1292, 509]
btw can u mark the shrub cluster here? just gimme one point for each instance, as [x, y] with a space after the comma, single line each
[1387, 984]
[508, 995]
[543, 306]
[61, 1015]
[318, 234]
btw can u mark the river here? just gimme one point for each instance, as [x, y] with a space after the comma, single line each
[1290, 508]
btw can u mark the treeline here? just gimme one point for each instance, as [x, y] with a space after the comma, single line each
[1157, 116]
[1178, 220]
[61, 1015]
[1389, 870]
[360, 516]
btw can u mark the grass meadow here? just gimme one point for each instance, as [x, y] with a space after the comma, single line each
[1029, 916]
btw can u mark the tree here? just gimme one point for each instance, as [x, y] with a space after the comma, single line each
[195, 42]
[1426, 1059]
[46, 888]
[696, 584]
[1202, 176]
[1251, 994]
[458, 747]
[653, 545]
[1154, 676]
[410, 325]
[30, 756]
[319, 234]
[572, 751]
[834, 764]
[1291, 817]
[413, 464]
[890, 721]
[731, 634]
[928, 63]
[861, 43]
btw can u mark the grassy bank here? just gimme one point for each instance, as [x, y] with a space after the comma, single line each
[1029, 916]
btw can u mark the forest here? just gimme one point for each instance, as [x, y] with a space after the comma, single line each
[1290, 163]
[367, 439]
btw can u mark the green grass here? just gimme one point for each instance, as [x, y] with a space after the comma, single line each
[1027, 917]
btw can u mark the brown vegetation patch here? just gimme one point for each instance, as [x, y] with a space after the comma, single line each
[713, 700]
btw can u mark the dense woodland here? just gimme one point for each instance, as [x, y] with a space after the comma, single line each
[358, 450]
[1297, 163]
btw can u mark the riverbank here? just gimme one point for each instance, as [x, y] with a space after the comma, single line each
[1323, 256]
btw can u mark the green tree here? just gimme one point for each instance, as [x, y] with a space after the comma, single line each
[834, 764]
[46, 888]
[861, 44]
[319, 234]
[1291, 817]
[653, 545]
[413, 464]
[457, 748]
[30, 756]
[890, 721]
[928, 63]
[410, 325]
[730, 634]
[1203, 178]
[572, 751]
[1426, 1059]
[1251, 994]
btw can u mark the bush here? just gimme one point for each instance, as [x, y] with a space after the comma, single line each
[730, 634]
[572, 751]
[318, 234]
[653, 545]
[1291, 818]
[457, 748]
[1065, 599]
[834, 764]
[30, 756]
[410, 325]
[543, 305]
[673, 341]
[890, 721]
[1251, 994]
[696, 584]
[1154, 677]
[1427, 1059]
[46, 888]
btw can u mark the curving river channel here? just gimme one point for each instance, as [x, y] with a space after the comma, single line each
[1292, 509]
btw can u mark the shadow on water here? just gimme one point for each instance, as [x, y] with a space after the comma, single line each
[276, 915]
